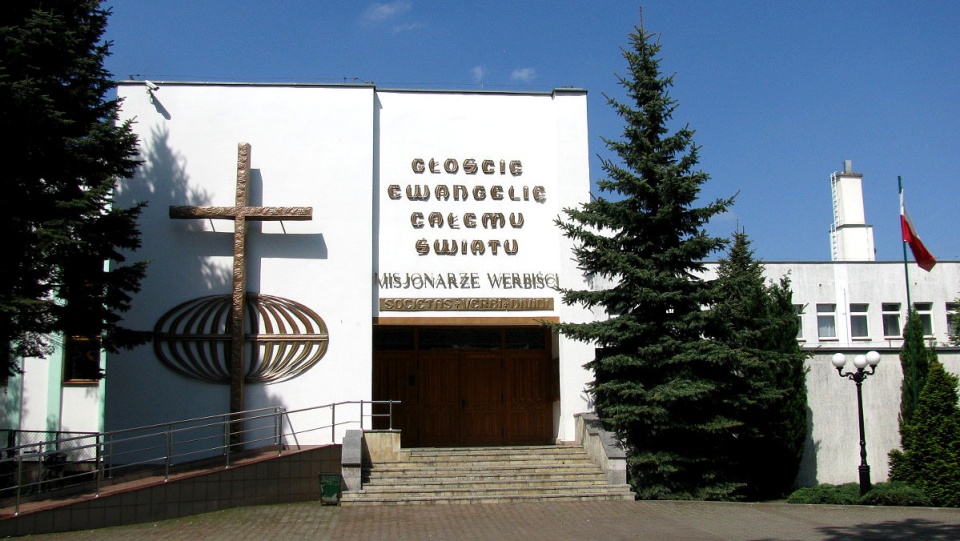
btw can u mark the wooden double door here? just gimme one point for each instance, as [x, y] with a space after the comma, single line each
[464, 397]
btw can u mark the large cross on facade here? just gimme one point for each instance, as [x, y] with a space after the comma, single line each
[240, 213]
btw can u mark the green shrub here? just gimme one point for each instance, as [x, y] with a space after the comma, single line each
[892, 493]
[930, 459]
[895, 493]
[848, 494]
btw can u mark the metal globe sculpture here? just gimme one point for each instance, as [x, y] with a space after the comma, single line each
[283, 338]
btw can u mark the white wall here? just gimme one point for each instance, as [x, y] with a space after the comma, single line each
[441, 126]
[832, 453]
[338, 149]
[311, 146]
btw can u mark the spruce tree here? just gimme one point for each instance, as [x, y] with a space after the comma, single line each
[759, 323]
[915, 359]
[930, 459]
[658, 383]
[62, 155]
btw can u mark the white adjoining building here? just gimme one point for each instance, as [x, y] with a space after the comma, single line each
[405, 242]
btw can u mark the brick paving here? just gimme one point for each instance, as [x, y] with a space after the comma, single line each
[659, 521]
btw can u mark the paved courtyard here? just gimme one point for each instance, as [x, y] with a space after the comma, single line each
[660, 521]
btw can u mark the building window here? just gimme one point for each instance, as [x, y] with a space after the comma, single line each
[827, 321]
[81, 360]
[82, 292]
[798, 308]
[925, 312]
[858, 321]
[953, 312]
[891, 320]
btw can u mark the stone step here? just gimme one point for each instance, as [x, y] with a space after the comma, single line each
[352, 499]
[590, 477]
[544, 450]
[484, 465]
[488, 455]
[572, 485]
[486, 474]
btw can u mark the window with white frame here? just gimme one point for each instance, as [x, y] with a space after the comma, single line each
[953, 312]
[827, 321]
[859, 329]
[925, 312]
[891, 319]
[798, 308]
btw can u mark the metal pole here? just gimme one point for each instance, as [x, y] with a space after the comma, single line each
[99, 460]
[864, 467]
[169, 451]
[19, 479]
[906, 276]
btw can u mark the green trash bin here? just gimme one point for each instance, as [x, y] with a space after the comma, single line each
[330, 489]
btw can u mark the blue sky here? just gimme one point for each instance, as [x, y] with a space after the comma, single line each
[779, 93]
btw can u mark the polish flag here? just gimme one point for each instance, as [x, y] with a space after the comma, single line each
[920, 253]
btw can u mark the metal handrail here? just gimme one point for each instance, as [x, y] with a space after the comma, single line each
[91, 458]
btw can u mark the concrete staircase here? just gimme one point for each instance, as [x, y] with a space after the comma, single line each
[485, 475]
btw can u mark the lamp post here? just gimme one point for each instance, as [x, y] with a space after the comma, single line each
[871, 359]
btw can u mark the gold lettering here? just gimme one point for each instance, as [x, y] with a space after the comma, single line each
[447, 248]
[441, 192]
[451, 165]
[470, 220]
[423, 247]
[417, 165]
[394, 192]
[459, 192]
[433, 166]
[539, 194]
[479, 193]
[516, 220]
[487, 166]
[415, 193]
[496, 193]
[435, 219]
[416, 220]
[511, 249]
[492, 220]
[470, 166]
[516, 168]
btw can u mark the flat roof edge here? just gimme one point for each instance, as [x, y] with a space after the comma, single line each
[554, 92]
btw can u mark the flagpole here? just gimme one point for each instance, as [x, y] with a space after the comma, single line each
[906, 275]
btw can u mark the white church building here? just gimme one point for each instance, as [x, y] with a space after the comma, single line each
[400, 245]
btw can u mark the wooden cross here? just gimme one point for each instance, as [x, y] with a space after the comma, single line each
[240, 213]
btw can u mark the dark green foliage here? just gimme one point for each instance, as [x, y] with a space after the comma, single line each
[848, 494]
[63, 153]
[759, 324]
[915, 359]
[930, 459]
[664, 390]
[892, 494]
[895, 493]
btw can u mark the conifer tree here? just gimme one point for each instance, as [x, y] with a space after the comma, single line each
[63, 153]
[930, 459]
[658, 383]
[759, 323]
[915, 359]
